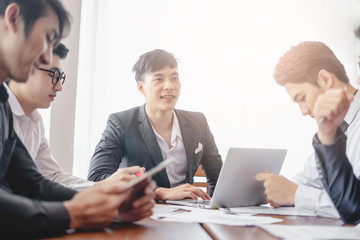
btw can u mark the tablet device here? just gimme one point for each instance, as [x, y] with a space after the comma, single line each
[151, 172]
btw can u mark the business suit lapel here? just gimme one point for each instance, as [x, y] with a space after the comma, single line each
[148, 135]
[188, 141]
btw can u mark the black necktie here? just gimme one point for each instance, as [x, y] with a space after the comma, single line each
[344, 126]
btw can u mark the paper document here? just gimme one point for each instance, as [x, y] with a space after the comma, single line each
[313, 232]
[198, 215]
[267, 209]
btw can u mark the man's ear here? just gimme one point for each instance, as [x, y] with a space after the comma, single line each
[140, 86]
[325, 79]
[12, 17]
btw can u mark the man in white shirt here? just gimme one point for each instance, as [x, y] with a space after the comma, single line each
[38, 92]
[306, 71]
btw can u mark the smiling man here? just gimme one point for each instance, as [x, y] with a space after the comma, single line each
[38, 92]
[151, 133]
[306, 71]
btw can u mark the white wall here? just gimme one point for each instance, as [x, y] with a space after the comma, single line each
[63, 109]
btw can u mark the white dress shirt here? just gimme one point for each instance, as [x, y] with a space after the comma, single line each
[176, 171]
[311, 194]
[31, 132]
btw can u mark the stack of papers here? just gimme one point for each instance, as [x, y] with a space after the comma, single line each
[198, 215]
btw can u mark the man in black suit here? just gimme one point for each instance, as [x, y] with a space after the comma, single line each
[151, 133]
[336, 171]
[35, 206]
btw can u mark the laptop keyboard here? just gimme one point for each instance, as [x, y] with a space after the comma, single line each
[203, 202]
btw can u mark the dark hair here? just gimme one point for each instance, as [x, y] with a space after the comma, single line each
[32, 10]
[153, 61]
[61, 50]
[303, 62]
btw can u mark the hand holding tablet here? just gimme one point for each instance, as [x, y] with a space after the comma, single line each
[140, 183]
[151, 172]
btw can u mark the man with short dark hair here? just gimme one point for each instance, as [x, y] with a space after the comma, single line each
[36, 206]
[307, 71]
[39, 91]
[151, 133]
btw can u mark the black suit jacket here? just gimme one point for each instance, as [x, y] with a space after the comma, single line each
[338, 177]
[32, 208]
[129, 140]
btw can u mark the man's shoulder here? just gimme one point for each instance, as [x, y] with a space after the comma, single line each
[190, 116]
[189, 113]
[125, 113]
[126, 116]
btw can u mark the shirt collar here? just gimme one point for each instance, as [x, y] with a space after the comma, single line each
[175, 129]
[353, 109]
[175, 132]
[16, 107]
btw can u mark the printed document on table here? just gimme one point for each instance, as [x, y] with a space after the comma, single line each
[267, 209]
[313, 232]
[198, 215]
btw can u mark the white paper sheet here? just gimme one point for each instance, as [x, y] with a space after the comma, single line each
[313, 232]
[267, 209]
[189, 214]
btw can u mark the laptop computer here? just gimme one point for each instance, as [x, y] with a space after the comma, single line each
[236, 185]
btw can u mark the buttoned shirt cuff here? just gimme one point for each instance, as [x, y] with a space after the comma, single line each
[315, 201]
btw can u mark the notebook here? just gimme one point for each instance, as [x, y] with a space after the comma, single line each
[236, 185]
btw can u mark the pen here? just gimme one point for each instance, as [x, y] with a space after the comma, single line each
[323, 118]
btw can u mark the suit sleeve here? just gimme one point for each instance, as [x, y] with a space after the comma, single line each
[36, 208]
[211, 159]
[108, 152]
[338, 177]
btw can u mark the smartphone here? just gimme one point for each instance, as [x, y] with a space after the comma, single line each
[151, 172]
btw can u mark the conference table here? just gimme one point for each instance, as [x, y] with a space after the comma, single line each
[159, 230]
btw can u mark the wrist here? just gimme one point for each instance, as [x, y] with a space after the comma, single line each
[160, 194]
[326, 138]
[72, 209]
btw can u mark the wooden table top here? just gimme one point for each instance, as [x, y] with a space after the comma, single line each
[151, 229]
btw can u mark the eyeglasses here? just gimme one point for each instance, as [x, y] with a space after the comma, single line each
[56, 76]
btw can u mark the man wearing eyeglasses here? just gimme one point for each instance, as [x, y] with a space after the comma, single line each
[38, 92]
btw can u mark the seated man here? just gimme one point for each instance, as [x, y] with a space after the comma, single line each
[151, 133]
[37, 206]
[306, 71]
[38, 92]
[336, 171]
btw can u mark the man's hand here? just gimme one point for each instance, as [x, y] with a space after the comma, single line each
[329, 111]
[181, 192]
[141, 207]
[124, 174]
[97, 206]
[278, 190]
